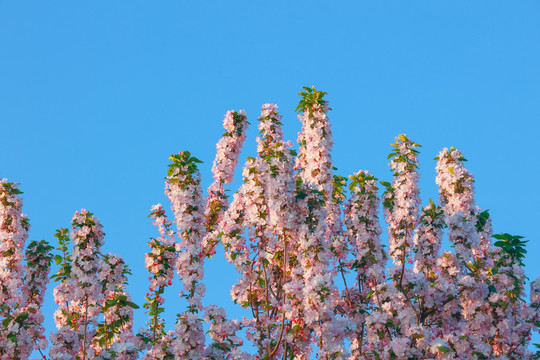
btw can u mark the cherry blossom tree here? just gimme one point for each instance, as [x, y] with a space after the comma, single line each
[313, 268]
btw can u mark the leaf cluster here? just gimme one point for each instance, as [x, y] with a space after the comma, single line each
[398, 156]
[388, 195]
[482, 220]
[181, 161]
[310, 97]
[338, 188]
[360, 181]
[433, 212]
[107, 331]
[20, 320]
[513, 247]
[64, 259]
[12, 188]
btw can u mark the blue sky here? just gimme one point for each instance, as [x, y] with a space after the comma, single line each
[95, 95]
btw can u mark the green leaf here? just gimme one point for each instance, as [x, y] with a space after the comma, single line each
[132, 305]
[111, 302]
[444, 349]
[21, 317]
[57, 259]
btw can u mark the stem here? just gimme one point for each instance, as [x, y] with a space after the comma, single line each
[283, 302]
[361, 339]
[403, 256]
[42, 356]
[155, 325]
[210, 248]
[67, 314]
[268, 346]
[85, 326]
[346, 287]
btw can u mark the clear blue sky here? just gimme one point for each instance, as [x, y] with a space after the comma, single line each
[95, 95]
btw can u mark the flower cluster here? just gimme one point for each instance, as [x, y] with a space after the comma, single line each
[21, 287]
[38, 259]
[160, 263]
[183, 187]
[321, 226]
[114, 337]
[226, 345]
[228, 152]
[263, 206]
[510, 318]
[94, 318]
[402, 200]
[456, 188]
[363, 233]
[80, 293]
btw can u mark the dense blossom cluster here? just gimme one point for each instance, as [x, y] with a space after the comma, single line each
[363, 232]
[114, 336]
[196, 220]
[260, 206]
[22, 286]
[94, 318]
[80, 295]
[226, 161]
[38, 260]
[160, 263]
[402, 200]
[320, 228]
[312, 266]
